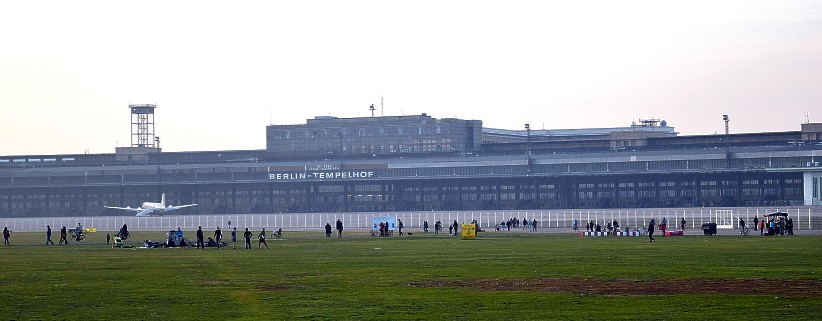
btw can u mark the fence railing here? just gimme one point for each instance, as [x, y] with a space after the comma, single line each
[803, 217]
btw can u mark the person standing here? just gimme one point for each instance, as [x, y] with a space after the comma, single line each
[400, 226]
[63, 235]
[108, 238]
[261, 239]
[218, 236]
[762, 227]
[48, 235]
[327, 230]
[651, 231]
[756, 222]
[456, 228]
[234, 237]
[339, 228]
[247, 235]
[425, 226]
[6, 235]
[200, 243]
[682, 224]
[123, 231]
[534, 224]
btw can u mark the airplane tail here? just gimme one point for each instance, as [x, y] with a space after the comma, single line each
[163, 200]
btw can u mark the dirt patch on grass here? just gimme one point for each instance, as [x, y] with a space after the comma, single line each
[802, 287]
[283, 287]
[215, 283]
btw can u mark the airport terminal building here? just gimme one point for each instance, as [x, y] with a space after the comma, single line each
[421, 163]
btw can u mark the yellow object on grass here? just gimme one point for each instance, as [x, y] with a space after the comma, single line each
[469, 231]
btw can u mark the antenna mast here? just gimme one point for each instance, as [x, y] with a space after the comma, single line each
[382, 107]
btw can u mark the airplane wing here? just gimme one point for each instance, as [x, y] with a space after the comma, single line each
[172, 207]
[125, 208]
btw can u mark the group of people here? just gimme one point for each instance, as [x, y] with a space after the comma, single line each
[217, 240]
[516, 223]
[175, 238]
[525, 224]
[780, 225]
[339, 227]
[384, 229]
[592, 226]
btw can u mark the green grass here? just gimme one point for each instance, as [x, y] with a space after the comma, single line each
[306, 276]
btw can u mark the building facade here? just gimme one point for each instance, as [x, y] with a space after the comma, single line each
[764, 169]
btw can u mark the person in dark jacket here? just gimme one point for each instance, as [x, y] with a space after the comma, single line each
[327, 230]
[218, 236]
[651, 231]
[247, 235]
[48, 235]
[234, 237]
[200, 243]
[63, 235]
[6, 235]
[339, 228]
[261, 238]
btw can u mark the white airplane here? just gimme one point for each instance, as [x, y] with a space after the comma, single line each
[152, 208]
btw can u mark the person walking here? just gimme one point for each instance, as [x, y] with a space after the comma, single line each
[218, 236]
[400, 226]
[425, 226]
[437, 227]
[651, 231]
[108, 238]
[261, 238]
[6, 235]
[327, 230]
[63, 235]
[48, 235]
[456, 227]
[234, 237]
[200, 243]
[339, 228]
[247, 235]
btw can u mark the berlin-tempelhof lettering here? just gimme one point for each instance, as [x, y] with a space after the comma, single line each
[319, 175]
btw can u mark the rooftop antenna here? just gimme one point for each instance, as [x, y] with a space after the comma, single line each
[382, 106]
[807, 118]
[372, 110]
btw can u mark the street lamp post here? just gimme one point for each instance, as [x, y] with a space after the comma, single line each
[340, 135]
[528, 145]
[528, 139]
[727, 120]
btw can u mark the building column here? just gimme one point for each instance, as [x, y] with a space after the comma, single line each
[812, 196]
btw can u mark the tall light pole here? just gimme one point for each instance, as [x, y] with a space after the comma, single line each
[528, 145]
[528, 139]
[340, 135]
[727, 139]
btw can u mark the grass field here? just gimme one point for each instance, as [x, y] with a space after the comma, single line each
[500, 276]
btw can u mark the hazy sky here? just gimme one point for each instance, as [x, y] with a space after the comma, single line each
[220, 71]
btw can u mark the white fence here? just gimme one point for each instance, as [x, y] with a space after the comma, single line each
[804, 218]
